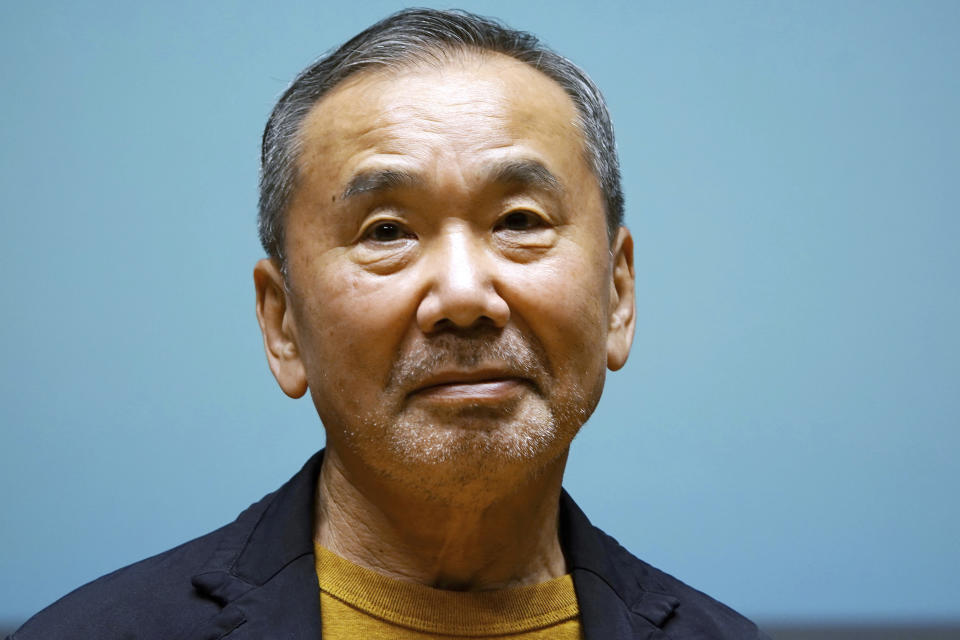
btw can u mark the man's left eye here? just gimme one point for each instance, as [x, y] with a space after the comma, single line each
[520, 221]
[386, 232]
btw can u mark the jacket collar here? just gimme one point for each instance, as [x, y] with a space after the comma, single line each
[619, 595]
[263, 572]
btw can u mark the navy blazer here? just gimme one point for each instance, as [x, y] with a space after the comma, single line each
[255, 579]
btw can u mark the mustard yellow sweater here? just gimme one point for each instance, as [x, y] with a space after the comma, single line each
[357, 603]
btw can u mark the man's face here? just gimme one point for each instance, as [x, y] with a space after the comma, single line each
[453, 297]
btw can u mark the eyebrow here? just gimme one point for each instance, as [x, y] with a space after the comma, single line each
[379, 180]
[526, 173]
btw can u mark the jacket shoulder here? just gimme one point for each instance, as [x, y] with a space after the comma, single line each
[694, 613]
[150, 599]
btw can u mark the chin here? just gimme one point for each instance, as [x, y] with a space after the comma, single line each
[464, 453]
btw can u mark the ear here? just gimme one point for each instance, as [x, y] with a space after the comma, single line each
[622, 311]
[279, 329]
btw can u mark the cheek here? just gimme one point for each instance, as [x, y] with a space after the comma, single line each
[350, 326]
[564, 305]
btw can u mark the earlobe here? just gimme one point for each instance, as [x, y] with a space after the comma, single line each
[622, 310]
[278, 328]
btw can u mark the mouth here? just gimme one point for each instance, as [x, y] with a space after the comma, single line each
[470, 387]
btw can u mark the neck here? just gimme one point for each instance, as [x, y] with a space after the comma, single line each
[478, 542]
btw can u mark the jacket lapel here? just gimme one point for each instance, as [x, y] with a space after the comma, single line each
[614, 604]
[263, 573]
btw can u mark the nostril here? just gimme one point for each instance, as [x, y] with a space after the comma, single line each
[443, 324]
[447, 324]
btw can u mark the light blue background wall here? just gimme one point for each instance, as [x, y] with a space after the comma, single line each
[785, 435]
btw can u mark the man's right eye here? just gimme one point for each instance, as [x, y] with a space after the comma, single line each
[386, 232]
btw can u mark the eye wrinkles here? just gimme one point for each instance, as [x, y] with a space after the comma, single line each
[392, 226]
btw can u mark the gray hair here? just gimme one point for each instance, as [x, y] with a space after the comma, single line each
[421, 35]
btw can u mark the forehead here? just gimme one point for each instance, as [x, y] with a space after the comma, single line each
[468, 108]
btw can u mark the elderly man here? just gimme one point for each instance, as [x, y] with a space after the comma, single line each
[449, 277]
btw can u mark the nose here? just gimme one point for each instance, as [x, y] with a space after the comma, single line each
[461, 285]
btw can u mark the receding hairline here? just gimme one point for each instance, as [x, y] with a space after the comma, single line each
[435, 58]
[424, 36]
